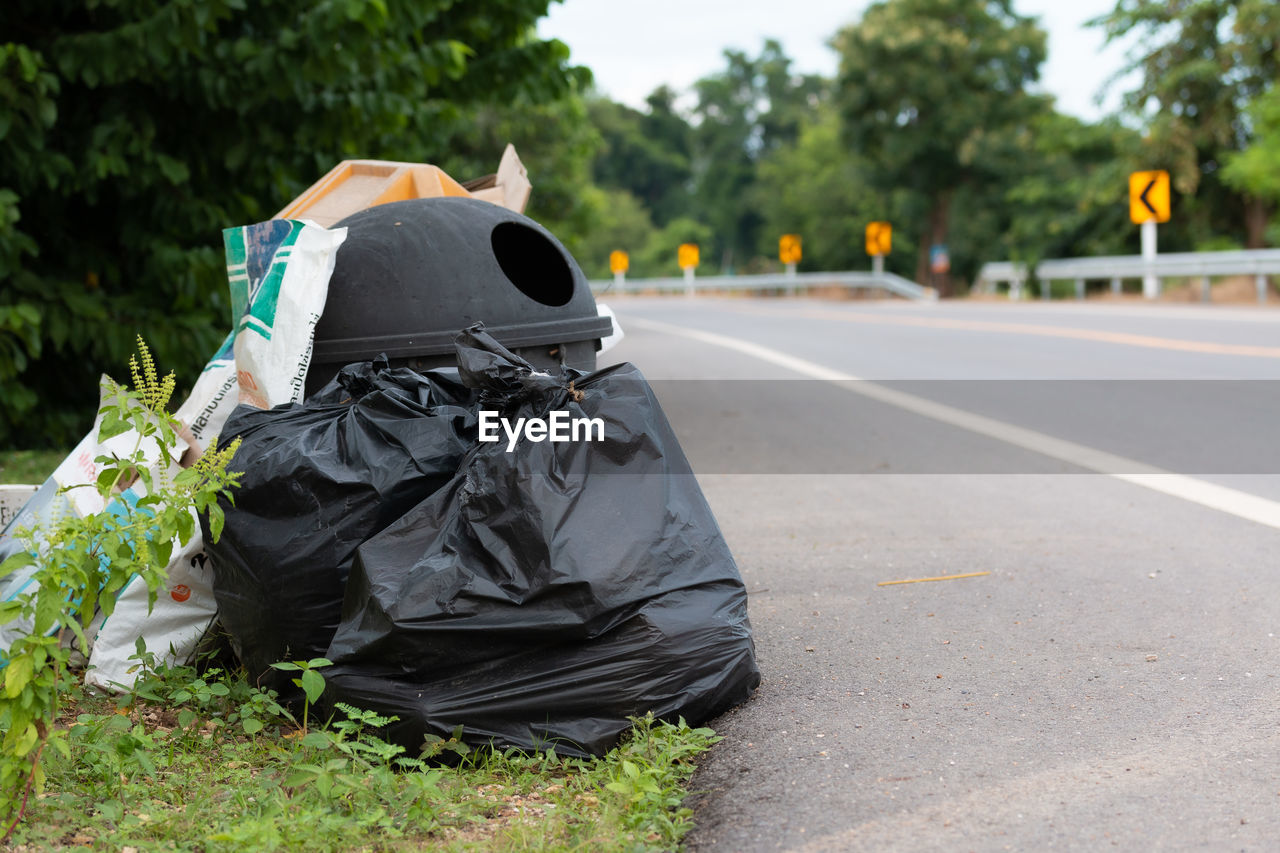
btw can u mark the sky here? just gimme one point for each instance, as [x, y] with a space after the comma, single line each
[634, 47]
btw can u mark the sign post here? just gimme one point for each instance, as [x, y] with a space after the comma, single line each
[1149, 203]
[619, 263]
[1150, 281]
[879, 243]
[687, 257]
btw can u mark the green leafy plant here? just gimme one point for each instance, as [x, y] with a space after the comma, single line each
[648, 774]
[116, 750]
[354, 753]
[79, 565]
[201, 693]
[256, 708]
[434, 746]
[351, 737]
[311, 681]
[153, 126]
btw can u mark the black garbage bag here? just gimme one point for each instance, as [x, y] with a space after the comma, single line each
[552, 590]
[320, 479]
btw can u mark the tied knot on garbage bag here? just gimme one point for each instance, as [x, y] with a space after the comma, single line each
[539, 596]
[501, 376]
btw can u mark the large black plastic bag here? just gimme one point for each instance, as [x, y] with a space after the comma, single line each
[550, 592]
[320, 479]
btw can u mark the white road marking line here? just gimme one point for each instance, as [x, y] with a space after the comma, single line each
[1224, 499]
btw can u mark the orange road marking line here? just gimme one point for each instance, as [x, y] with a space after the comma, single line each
[1122, 338]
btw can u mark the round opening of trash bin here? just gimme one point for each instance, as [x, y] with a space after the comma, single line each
[532, 263]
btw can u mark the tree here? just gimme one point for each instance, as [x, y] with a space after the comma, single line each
[702, 165]
[923, 85]
[1059, 188]
[646, 154]
[1202, 62]
[820, 189]
[556, 142]
[1256, 170]
[619, 222]
[658, 257]
[750, 108]
[133, 131]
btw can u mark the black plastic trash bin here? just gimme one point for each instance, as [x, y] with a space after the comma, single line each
[412, 273]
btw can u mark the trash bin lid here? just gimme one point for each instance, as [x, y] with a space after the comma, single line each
[411, 274]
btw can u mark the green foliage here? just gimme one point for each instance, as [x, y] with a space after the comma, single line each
[649, 771]
[434, 746]
[658, 257]
[1051, 186]
[924, 82]
[1200, 64]
[741, 113]
[132, 133]
[28, 466]
[1064, 192]
[822, 190]
[924, 87]
[81, 564]
[619, 222]
[701, 166]
[1256, 170]
[201, 694]
[931, 126]
[645, 154]
[556, 143]
[311, 682]
[352, 749]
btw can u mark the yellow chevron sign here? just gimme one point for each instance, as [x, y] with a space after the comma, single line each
[1149, 197]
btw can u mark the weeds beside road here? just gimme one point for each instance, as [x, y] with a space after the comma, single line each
[193, 761]
[202, 761]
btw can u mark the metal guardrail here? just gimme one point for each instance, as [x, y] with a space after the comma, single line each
[1190, 264]
[995, 272]
[886, 281]
[1203, 265]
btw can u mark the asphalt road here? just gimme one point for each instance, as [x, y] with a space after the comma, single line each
[1114, 681]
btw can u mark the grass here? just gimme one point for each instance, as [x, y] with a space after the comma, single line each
[28, 466]
[205, 762]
